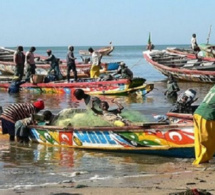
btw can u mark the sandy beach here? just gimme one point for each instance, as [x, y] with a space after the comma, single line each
[169, 180]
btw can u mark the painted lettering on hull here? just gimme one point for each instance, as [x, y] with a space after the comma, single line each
[100, 137]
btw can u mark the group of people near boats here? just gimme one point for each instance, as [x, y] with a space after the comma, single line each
[203, 118]
[21, 60]
[27, 60]
[16, 117]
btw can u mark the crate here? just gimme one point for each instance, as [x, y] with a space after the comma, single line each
[37, 78]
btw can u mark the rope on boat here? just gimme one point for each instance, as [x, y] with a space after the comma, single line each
[137, 63]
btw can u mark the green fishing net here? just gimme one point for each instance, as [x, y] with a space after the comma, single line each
[80, 118]
[133, 116]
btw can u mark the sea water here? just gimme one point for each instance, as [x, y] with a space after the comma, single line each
[36, 164]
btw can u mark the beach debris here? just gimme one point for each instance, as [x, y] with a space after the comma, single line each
[191, 183]
[63, 194]
[81, 186]
[192, 192]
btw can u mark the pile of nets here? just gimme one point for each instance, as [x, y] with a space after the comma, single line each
[83, 118]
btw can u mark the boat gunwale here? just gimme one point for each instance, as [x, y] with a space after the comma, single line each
[133, 128]
[181, 70]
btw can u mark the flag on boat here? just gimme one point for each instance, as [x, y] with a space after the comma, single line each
[149, 40]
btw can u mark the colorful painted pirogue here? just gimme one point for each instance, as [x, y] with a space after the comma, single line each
[118, 87]
[175, 140]
[181, 67]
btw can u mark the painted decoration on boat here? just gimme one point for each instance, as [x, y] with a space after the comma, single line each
[147, 138]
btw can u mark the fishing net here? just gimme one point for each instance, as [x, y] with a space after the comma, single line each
[80, 118]
[133, 116]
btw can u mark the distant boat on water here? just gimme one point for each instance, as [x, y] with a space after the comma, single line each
[104, 51]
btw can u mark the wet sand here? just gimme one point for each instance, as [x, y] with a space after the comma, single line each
[166, 178]
[166, 183]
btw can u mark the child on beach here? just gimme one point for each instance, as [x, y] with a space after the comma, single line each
[111, 115]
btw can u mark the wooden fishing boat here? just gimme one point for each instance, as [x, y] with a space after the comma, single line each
[180, 67]
[7, 66]
[103, 51]
[90, 86]
[207, 52]
[175, 140]
[178, 118]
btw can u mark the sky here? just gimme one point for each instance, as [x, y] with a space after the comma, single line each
[97, 22]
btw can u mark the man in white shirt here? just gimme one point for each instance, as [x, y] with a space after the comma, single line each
[194, 44]
[96, 60]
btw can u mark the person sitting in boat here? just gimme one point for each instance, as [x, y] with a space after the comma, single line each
[15, 85]
[88, 100]
[96, 61]
[124, 72]
[22, 130]
[184, 102]
[54, 65]
[111, 115]
[172, 89]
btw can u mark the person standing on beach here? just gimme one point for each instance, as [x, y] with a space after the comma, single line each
[70, 60]
[30, 63]
[54, 65]
[19, 60]
[18, 111]
[204, 129]
[96, 61]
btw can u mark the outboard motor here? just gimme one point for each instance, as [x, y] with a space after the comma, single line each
[183, 104]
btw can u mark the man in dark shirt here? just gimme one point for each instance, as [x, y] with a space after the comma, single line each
[19, 60]
[54, 65]
[70, 60]
[124, 72]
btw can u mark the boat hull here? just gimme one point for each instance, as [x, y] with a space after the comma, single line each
[165, 140]
[182, 73]
[115, 87]
[8, 68]
[190, 54]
